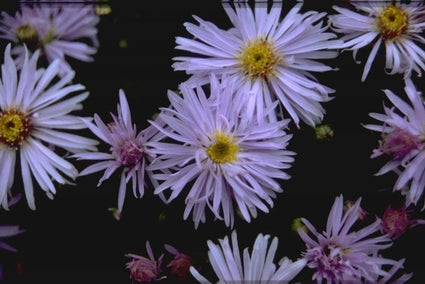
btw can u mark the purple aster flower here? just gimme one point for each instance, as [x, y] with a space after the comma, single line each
[269, 58]
[58, 30]
[34, 112]
[259, 267]
[217, 155]
[7, 231]
[144, 269]
[397, 221]
[402, 131]
[180, 264]
[341, 254]
[127, 150]
[389, 277]
[392, 25]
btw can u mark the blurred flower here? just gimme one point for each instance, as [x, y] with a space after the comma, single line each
[270, 59]
[10, 230]
[224, 157]
[180, 264]
[127, 151]
[144, 269]
[403, 139]
[7, 231]
[395, 266]
[341, 256]
[397, 26]
[58, 30]
[397, 221]
[32, 117]
[259, 267]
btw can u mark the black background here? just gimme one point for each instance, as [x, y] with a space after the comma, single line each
[75, 239]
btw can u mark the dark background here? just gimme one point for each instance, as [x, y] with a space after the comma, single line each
[74, 238]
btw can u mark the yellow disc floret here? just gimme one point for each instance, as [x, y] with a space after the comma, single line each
[27, 34]
[223, 149]
[14, 127]
[258, 59]
[392, 22]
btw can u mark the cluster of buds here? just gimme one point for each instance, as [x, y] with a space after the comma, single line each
[144, 269]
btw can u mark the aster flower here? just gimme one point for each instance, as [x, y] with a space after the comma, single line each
[390, 25]
[144, 269]
[389, 277]
[34, 112]
[59, 31]
[403, 137]
[180, 264]
[218, 155]
[270, 59]
[341, 254]
[259, 267]
[127, 151]
[397, 221]
[7, 231]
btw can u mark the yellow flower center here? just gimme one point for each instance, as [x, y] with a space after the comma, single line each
[27, 34]
[392, 22]
[14, 127]
[223, 150]
[258, 58]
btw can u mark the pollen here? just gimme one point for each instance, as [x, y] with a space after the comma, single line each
[14, 127]
[393, 22]
[223, 150]
[258, 59]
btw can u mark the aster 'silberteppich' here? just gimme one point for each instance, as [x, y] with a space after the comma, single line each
[396, 25]
[58, 30]
[341, 254]
[34, 112]
[219, 156]
[403, 140]
[271, 59]
[127, 150]
[259, 267]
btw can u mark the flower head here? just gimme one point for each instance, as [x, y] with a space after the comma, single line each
[397, 221]
[127, 150]
[394, 268]
[180, 264]
[58, 31]
[220, 156]
[396, 26]
[270, 59]
[144, 269]
[259, 267]
[403, 141]
[340, 254]
[34, 112]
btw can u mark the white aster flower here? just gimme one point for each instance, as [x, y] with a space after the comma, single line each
[218, 155]
[58, 30]
[269, 58]
[259, 267]
[34, 111]
[403, 139]
[396, 26]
